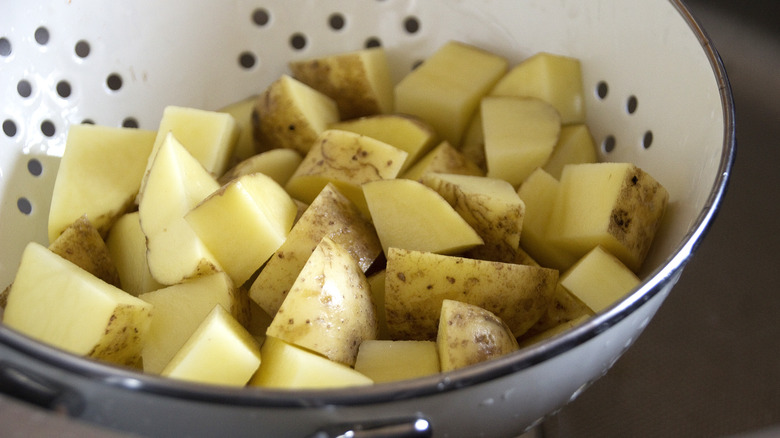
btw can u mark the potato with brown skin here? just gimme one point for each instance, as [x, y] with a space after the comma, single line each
[331, 214]
[358, 81]
[329, 308]
[442, 159]
[290, 114]
[469, 334]
[564, 307]
[418, 282]
[491, 206]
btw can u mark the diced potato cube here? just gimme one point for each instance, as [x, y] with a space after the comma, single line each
[209, 136]
[56, 302]
[395, 206]
[538, 192]
[391, 361]
[599, 279]
[418, 282]
[279, 164]
[179, 309]
[575, 145]
[553, 78]
[445, 89]
[469, 334]
[358, 81]
[241, 112]
[442, 159]
[520, 134]
[244, 223]
[127, 245]
[290, 114]
[175, 183]
[408, 133]
[331, 215]
[491, 206]
[287, 366]
[347, 160]
[219, 352]
[99, 175]
[328, 309]
[615, 205]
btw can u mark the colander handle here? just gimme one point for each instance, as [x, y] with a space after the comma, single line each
[25, 385]
[398, 428]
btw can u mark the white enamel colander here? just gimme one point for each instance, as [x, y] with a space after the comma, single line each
[656, 95]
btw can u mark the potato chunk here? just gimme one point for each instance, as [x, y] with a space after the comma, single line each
[220, 352]
[81, 244]
[179, 309]
[599, 279]
[615, 205]
[358, 81]
[391, 361]
[127, 245]
[408, 133]
[244, 223]
[289, 367]
[60, 304]
[330, 215]
[443, 158]
[575, 145]
[290, 114]
[402, 222]
[176, 182]
[99, 175]
[279, 164]
[347, 160]
[328, 309]
[491, 206]
[469, 334]
[520, 134]
[417, 282]
[553, 78]
[445, 90]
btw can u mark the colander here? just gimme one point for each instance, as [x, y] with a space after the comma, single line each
[656, 95]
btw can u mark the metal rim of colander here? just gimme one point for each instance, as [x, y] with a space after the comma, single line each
[523, 359]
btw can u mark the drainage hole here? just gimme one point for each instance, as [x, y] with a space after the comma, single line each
[47, 128]
[114, 81]
[647, 140]
[35, 167]
[609, 144]
[261, 17]
[411, 25]
[130, 122]
[42, 36]
[5, 46]
[298, 41]
[336, 21]
[631, 104]
[372, 42]
[24, 205]
[82, 49]
[24, 88]
[602, 89]
[63, 89]
[247, 60]
[9, 128]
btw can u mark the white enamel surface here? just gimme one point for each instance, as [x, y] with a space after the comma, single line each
[174, 53]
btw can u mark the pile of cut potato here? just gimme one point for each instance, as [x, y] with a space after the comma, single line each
[340, 229]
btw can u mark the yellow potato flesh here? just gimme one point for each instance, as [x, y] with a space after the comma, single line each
[179, 309]
[244, 223]
[176, 183]
[445, 90]
[58, 303]
[219, 352]
[127, 245]
[289, 367]
[401, 223]
[99, 175]
[331, 214]
[575, 145]
[599, 279]
[391, 361]
[444, 158]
